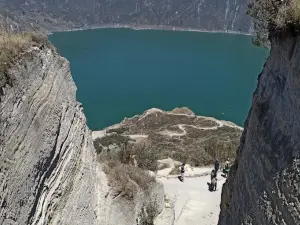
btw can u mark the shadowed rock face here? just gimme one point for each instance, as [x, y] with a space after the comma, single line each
[48, 168]
[198, 14]
[264, 184]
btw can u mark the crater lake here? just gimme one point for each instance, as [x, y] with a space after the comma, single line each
[122, 72]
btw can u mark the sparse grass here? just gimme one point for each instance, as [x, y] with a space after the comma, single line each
[146, 156]
[112, 139]
[126, 179]
[294, 11]
[11, 46]
[148, 213]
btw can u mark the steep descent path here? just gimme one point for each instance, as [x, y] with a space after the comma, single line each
[194, 203]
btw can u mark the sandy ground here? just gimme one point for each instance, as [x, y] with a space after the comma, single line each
[191, 201]
[194, 203]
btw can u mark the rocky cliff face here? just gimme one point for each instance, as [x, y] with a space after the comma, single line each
[264, 184]
[198, 14]
[48, 168]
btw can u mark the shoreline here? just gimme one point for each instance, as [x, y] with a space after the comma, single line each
[151, 27]
[153, 110]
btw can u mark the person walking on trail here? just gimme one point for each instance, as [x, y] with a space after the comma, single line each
[226, 168]
[214, 184]
[227, 163]
[182, 171]
[212, 175]
[213, 180]
[217, 165]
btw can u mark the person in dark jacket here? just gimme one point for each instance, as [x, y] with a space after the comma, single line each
[212, 175]
[214, 184]
[182, 171]
[217, 165]
[213, 181]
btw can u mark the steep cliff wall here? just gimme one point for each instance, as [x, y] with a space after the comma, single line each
[48, 168]
[264, 184]
[198, 14]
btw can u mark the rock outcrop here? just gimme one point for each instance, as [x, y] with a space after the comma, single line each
[48, 168]
[264, 183]
[221, 15]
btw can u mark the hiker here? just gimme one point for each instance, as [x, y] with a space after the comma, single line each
[213, 175]
[217, 165]
[214, 184]
[227, 164]
[182, 171]
[226, 168]
[213, 180]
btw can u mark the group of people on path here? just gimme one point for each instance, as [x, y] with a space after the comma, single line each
[213, 175]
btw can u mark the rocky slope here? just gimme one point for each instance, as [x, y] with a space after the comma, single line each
[264, 185]
[48, 168]
[179, 134]
[197, 14]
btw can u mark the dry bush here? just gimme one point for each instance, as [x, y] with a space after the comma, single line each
[294, 11]
[220, 150]
[146, 156]
[126, 179]
[273, 16]
[120, 182]
[12, 44]
[113, 139]
[148, 213]
[98, 146]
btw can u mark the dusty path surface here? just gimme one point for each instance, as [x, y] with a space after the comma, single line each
[194, 203]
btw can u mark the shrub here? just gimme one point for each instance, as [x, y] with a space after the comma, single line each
[148, 213]
[118, 130]
[97, 145]
[273, 16]
[146, 156]
[126, 179]
[112, 139]
[294, 11]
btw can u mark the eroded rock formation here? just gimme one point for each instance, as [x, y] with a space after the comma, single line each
[264, 184]
[48, 168]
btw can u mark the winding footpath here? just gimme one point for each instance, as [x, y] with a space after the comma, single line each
[184, 132]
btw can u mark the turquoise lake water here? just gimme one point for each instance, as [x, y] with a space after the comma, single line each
[121, 72]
